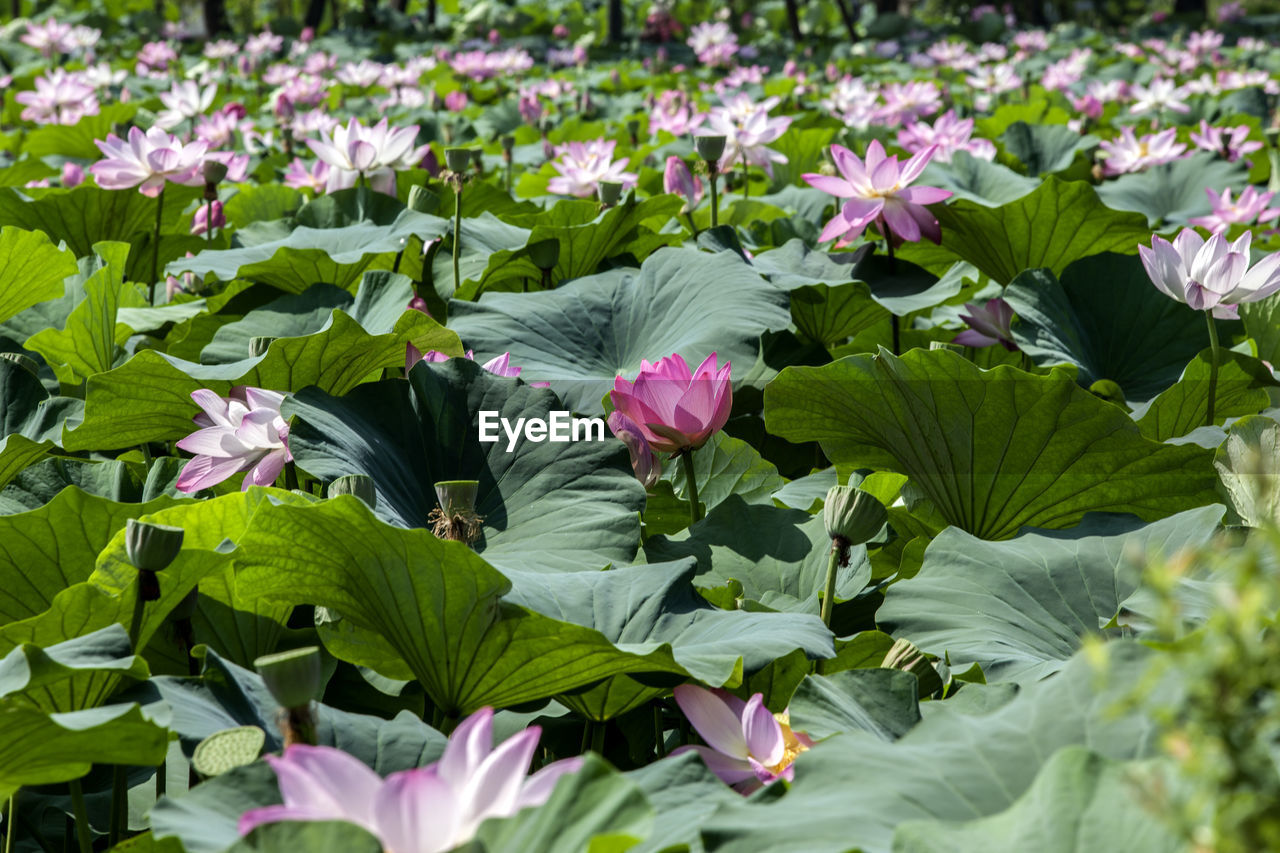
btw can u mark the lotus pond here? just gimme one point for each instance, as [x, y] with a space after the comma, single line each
[782, 427]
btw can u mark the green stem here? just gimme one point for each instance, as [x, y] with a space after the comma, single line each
[135, 623]
[1213, 365]
[155, 250]
[11, 824]
[658, 732]
[457, 237]
[290, 475]
[82, 816]
[746, 177]
[597, 738]
[119, 806]
[715, 196]
[829, 590]
[693, 229]
[691, 485]
[208, 221]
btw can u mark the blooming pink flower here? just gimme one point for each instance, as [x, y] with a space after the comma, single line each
[299, 177]
[455, 101]
[1162, 94]
[263, 43]
[482, 65]
[677, 179]
[1208, 273]
[1230, 142]
[499, 365]
[375, 153]
[674, 113]
[747, 746]
[747, 129]
[50, 37]
[1129, 154]
[242, 432]
[878, 190]
[713, 42]
[908, 101]
[672, 407]
[200, 222]
[429, 809]
[154, 57]
[946, 136]
[853, 102]
[583, 165]
[147, 161]
[184, 101]
[60, 97]
[1229, 12]
[988, 325]
[362, 75]
[1250, 207]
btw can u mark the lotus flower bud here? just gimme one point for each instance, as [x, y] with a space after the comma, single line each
[258, 345]
[545, 254]
[423, 200]
[709, 148]
[853, 515]
[214, 172]
[151, 547]
[359, 485]
[610, 192]
[456, 159]
[293, 677]
[678, 180]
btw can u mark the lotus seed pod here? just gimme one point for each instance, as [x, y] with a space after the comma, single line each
[293, 677]
[457, 495]
[360, 485]
[227, 750]
[457, 159]
[214, 172]
[151, 547]
[610, 192]
[545, 254]
[508, 143]
[423, 200]
[853, 515]
[258, 345]
[709, 148]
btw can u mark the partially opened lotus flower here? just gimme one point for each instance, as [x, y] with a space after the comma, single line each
[374, 153]
[645, 463]
[430, 809]
[1207, 273]
[988, 325]
[678, 180]
[877, 190]
[183, 102]
[147, 161]
[748, 747]
[242, 432]
[673, 407]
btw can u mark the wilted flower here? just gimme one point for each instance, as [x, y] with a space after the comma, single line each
[988, 325]
[375, 153]
[242, 432]
[583, 165]
[147, 161]
[672, 407]
[1207, 273]
[747, 746]
[429, 809]
[678, 180]
[1250, 207]
[877, 190]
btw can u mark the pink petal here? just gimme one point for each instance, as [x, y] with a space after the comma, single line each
[714, 720]
[731, 771]
[763, 733]
[416, 810]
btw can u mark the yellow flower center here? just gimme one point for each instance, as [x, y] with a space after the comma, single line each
[792, 746]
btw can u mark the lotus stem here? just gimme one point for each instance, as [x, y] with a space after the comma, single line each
[457, 237]
[82, 816]
[119, 805]
[208, 220]
[11, 824]
[691, 484]
[829, 589]
[746, 177]
[155, 250]
[658, 732]
[1213, 366]
[715, 196]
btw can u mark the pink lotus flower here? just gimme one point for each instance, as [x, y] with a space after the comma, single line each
[362, 75]
[72, 174]
[674, 113]
[50, 37]
[498, 366]
[154, 57]
[429, 809]
[1160, 95]
[713, 42]
[299, 177]
[147, 161]
[747, 746]
[59, 98]
[747, 129]
[1208, 273]
[644, 462]
[1230, 142]
[1249, 208]
[1130, 154]
[455, 101]
[988, 325]
[674, 408]
[242, 432]
[583, 165]
[375, 153]
[877, 191]
[200, 222]
[183, 102]
[678, 180]
[946, 136]
[909, 101]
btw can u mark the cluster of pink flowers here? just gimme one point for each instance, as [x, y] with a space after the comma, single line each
[945, 136]
[54, 38]
[485, 65]
[713, 42]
